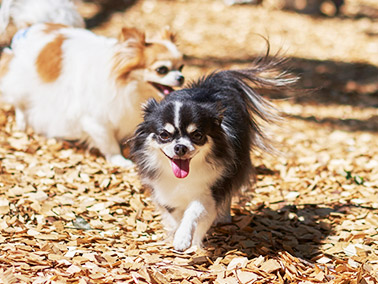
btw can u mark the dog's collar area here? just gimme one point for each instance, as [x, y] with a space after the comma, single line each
[20, 34]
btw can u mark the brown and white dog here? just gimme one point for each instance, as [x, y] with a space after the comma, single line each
[69, 83]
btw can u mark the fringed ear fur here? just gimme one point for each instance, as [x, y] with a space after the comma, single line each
[132, 33]
[134, 40]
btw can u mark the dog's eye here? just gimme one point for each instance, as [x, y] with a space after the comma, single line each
[162, 70]
[196, 136]
[180, 68]
[164, 136]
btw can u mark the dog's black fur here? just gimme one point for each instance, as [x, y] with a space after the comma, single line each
[227, 110]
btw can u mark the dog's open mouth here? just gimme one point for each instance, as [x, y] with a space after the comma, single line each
[163, 89]
[180, 167]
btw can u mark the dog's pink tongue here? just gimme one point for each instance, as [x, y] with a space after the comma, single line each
[167, 90]
[180, 168]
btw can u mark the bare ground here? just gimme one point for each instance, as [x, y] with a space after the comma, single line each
[66, 216]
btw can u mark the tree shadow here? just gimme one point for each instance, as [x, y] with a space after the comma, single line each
[337, 82]
[314, 8]
[363, 11]
[369, 125]
[107, 8]
[336, 8]
[321, 82]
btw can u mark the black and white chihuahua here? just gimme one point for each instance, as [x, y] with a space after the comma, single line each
[193, 148]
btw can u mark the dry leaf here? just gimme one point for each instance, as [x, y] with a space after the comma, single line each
[270, 266]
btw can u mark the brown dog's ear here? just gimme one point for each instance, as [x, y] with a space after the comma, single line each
[167, 34]
[133, 58]
[132, 33]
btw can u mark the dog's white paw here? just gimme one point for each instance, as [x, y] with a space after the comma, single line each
[182, 241]
[119, 160]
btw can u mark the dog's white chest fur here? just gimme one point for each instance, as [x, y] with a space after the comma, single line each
[178, 193]
[190, 200]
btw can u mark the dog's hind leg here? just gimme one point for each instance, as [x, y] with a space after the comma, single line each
[119, 160]
[103, 138]
[20, 119]
[224, 211]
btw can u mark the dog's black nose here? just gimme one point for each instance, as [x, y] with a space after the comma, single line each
[180, 79]
[180, 150]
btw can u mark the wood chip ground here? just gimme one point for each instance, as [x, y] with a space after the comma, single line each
[67, 216]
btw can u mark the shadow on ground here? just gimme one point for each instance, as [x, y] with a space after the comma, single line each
[321, 83]
[369, 125]
[299, 230]
[329, 82]
[107, 8]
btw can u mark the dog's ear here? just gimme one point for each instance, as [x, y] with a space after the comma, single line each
[149, 106]
[167, 34]
[134, 39]
[132, 33]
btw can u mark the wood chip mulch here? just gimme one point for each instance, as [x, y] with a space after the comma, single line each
[67, 216]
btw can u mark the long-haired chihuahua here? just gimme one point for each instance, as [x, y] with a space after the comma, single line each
[193, 148]
[72, 84]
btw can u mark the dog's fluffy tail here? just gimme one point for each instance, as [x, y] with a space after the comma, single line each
[5, 14]
[265, 75]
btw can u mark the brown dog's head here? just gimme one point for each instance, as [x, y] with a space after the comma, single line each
[159, 60]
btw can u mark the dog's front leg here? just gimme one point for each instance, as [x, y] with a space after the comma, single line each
[104, 139]
[196, 221]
